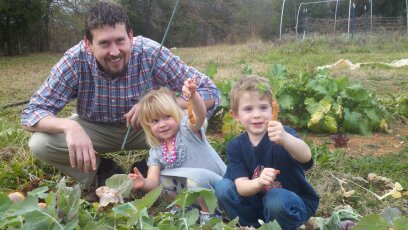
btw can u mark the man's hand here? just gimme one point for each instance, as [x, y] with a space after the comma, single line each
[132, 117]
[137, 178]
[80, 148]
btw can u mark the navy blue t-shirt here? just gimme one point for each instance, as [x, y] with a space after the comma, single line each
[244, 160]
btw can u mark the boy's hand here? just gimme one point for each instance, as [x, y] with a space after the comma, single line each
[189, 87]
[267, 177]
[137, 178]
[276, 132]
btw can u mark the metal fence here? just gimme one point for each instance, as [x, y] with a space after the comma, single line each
[357, 25]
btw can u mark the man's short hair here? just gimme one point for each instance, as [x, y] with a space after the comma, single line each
[105, 14]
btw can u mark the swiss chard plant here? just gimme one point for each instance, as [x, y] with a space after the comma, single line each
[325, 104]
[317, 102]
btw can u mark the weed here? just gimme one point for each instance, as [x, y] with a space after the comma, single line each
[391, 166]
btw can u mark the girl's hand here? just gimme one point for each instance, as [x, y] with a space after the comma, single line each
[137, 178]
[189, 87]
[267, 177]
[276, 132]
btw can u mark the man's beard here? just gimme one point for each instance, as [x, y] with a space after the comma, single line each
[111, 74]
[114, 75]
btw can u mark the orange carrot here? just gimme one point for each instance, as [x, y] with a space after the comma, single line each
[275, 110]
[189, 109]
[190, 112]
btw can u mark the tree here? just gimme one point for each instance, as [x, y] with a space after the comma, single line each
[16, 18]
[66, 24]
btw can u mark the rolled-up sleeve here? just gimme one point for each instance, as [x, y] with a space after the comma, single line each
[52, 95]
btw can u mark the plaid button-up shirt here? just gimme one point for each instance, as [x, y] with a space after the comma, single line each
[103, 99]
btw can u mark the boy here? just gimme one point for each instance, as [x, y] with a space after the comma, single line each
[265, 174]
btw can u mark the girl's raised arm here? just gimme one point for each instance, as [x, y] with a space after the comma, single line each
[196, 107]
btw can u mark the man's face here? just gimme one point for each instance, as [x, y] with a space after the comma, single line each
[111, 48]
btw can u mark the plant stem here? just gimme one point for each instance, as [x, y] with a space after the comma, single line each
[374, 194]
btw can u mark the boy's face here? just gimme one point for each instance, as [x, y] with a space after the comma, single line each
[253, 113]
[111, 48]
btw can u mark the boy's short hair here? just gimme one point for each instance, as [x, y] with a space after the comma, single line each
[105, 13]
[155, 104]
[251, 84]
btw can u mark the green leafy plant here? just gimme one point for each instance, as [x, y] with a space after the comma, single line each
[325, 104]
[323, 156]
[272, 225]
[64, 209]
[391, 218]
[211, 70]
[247, 69]
[397, 105]
[11, 134]
[121, 182]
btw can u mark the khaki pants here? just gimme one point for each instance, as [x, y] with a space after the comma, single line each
[52, 148]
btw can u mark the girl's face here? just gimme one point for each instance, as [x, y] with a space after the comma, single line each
[164, 127]
[253, 113]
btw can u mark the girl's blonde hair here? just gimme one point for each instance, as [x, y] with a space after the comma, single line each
[155, 104]
[250, 84]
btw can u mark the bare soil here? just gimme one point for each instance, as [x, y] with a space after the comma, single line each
[377, 144]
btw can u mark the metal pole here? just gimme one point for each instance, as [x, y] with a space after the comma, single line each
[365, 15]
[154, 64]
[353, 25]
[371, 15]
[348, 26]
[280, 29]
[335, 16]
[406, 6]
[297, 19]
[305, 24]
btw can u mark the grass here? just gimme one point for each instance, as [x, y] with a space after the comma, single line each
[307, 56]
[21, 76]
[356, 169]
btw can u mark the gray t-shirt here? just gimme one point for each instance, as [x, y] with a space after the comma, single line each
[196, 158]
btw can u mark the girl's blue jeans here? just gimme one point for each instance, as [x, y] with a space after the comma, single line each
[282, 205]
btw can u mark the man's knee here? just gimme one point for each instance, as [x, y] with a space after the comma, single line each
[39, 145]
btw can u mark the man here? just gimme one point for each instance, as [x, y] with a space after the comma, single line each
[108, 72]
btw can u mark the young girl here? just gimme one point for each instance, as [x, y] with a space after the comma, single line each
[180, 155]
